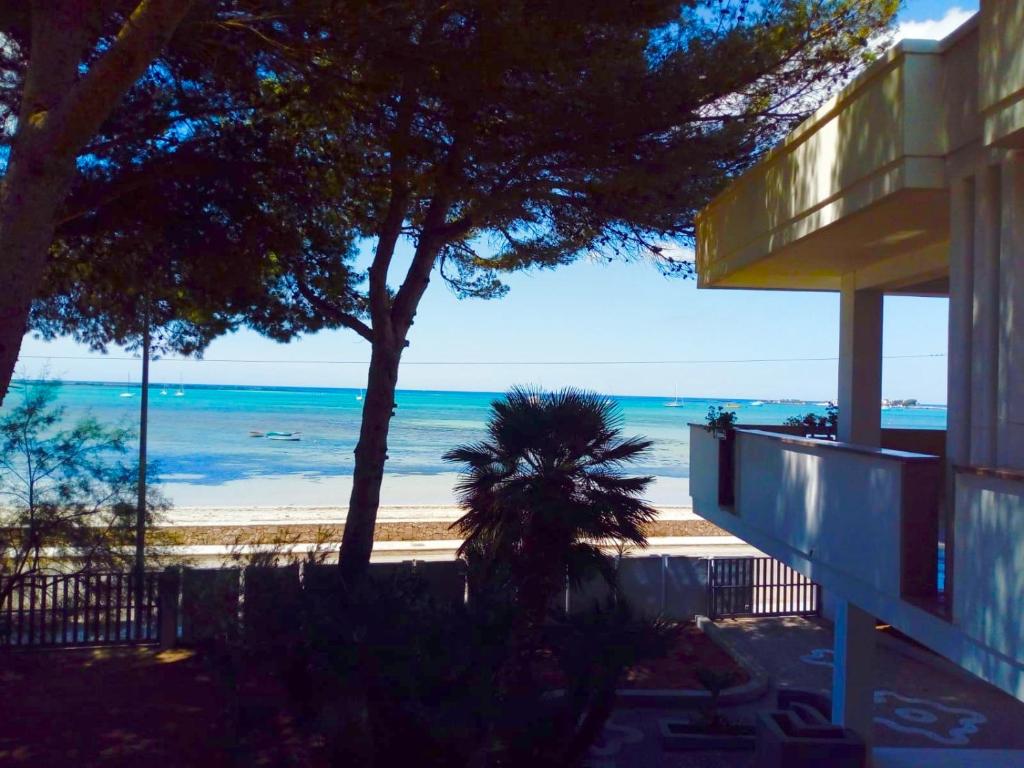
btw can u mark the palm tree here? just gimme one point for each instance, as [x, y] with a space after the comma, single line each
[547, 487]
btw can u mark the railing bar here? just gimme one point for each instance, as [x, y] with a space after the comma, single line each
[54, 604]
[107, 606]
[83, 605]
[762, 587]
[56, 610]
[64, 612]
[750, 583]
[97, 597]
[78, 603]
[41, 618]
[10, 613]
[119, 615]
[733, 580]
[779, 597]
[149, 606]
[799, 595]
[42, 610]
[32, 611]
[788, 578]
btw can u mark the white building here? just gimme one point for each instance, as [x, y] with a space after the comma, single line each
[909, 181]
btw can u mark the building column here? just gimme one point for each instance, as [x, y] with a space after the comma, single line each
[961, 304]
[860, 364]
[853, 670]
[1010, 388]
[985, 317]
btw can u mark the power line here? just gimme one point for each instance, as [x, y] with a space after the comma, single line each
[485, 362]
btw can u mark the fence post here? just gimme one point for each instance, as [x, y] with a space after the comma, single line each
[168, 587]
[711, 588]
[664, 585]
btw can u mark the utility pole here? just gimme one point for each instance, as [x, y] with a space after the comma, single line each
[140, 512]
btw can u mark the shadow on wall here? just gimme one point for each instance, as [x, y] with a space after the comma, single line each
[989, 589]
[841, 509]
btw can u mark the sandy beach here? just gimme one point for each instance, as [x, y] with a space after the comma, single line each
[414, 508]
[287, 495]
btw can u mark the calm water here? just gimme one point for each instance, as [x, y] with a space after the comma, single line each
[203, 437]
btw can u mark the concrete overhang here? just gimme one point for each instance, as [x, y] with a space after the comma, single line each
[1001, 77]
[860, 187]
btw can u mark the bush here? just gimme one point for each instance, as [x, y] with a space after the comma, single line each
[67, 497]
[816, 425]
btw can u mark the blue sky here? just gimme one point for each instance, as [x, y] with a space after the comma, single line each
[588, 312]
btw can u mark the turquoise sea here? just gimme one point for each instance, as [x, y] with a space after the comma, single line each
[201, 439]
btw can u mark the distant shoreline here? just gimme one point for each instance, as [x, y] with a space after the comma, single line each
[155, 384]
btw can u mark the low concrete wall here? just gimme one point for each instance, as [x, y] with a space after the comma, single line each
[209, 603]
[219, 602]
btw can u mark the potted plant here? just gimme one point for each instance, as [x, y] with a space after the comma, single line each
[710, 729]
[816, 425]
[722, 424]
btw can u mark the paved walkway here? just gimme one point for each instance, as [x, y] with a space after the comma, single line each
[917, 704]
[927, 715]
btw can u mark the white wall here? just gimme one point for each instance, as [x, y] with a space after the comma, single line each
[988, 593]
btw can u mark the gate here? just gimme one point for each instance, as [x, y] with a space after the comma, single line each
[78, 609]
[759, 586]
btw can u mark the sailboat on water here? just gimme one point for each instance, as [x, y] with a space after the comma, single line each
[127, 393]
[675, 402]
[180, 391]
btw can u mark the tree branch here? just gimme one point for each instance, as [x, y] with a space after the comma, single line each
[341, 317]
[91, 100]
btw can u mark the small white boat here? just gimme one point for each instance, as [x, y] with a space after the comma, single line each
[128, 394]
[283, 434]
[758, 402]
[163, 391]
[675, 402]
[360, 395]
[180, 392]
[286, 438]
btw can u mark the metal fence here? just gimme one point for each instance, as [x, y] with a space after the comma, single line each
[759, 586]
[78, 609]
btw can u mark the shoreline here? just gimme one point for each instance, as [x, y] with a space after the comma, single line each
[311, 514]
[194, 526]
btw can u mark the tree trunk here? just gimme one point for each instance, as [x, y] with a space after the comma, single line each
[140, 512]
[60, 113]
[370, 455]
[33, 188]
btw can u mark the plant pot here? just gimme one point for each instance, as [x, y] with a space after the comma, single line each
[726, 468]
[683, 736]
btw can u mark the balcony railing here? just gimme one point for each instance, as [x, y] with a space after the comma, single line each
[870, 514]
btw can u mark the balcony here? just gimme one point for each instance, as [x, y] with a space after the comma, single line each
[859, 188]
[851, 517]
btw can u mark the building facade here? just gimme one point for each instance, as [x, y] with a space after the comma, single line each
[909, 181]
